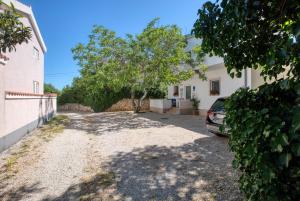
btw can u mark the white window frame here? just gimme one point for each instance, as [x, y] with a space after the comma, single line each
[36, 87]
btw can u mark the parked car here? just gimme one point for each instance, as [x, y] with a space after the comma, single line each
[215, 117]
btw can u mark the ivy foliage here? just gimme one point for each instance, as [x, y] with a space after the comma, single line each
[12, 30]
[266, 140]
[264, 123]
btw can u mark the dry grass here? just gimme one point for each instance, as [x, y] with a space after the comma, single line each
[55, 126]
[47, 132]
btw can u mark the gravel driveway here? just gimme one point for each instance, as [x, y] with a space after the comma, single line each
[124, 156]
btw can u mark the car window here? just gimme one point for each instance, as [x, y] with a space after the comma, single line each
[218, 106]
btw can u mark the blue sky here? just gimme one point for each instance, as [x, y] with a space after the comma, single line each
[65, 23]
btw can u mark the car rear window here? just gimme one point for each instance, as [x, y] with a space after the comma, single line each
[218, 105]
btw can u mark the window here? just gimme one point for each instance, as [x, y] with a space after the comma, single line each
[188, 92]
[214, 87]
[36, 53]
[36, 87]
[175, 91]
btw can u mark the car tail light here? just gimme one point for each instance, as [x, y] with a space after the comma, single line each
[210, 114]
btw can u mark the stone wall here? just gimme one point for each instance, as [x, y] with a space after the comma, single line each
[125, 105]
[122, 105]
[74, 107]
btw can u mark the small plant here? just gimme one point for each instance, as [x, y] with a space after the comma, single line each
[11, 162]
[195, 103]
[55, 126]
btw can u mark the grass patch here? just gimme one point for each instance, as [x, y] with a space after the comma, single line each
[48, 131]
[53, 127]
[10, 163]
[13, 159]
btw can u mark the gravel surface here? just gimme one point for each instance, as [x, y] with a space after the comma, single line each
[124, 156]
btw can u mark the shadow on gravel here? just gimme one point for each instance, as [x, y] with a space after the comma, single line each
[189, 172]
[101, 123]
[20, 193]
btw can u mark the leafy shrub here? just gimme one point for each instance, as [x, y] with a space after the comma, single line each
[195, 103]
[100, 99]
[156, 93]
[265, 138]
[49, 88]
[104, 99]
[71, 94]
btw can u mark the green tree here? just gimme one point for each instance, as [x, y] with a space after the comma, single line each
[12, 30]
[49, 88]
[264, 124]
[252, 34]
[138, 63]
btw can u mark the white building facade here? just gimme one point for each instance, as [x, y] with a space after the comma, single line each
[218, 84]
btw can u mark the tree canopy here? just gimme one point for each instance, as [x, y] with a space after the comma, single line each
[139, 62]
[255, 34]
[49, 88]
[12, 30]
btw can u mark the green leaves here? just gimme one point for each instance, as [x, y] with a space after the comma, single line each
[141, 62]
[296, 149]
[296, 118]
[279, 142]
[13, 31]
[264, 140]
[264, 124]
[248, 33]
[284, 159]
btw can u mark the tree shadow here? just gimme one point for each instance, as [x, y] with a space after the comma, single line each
[193, 171]
[101, 123]
[20, 193]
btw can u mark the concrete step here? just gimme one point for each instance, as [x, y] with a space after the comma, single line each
[172, 110]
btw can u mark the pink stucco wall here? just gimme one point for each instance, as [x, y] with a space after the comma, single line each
[23, 68]
[22, 112]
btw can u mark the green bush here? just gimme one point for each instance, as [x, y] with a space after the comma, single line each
[265, 139]
[71, 94]
[101, 99]
[98, 101]
[104, 99]
[49, 88]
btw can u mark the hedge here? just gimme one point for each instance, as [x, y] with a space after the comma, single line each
[266, 141]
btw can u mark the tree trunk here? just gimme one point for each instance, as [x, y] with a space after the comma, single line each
[137, 104]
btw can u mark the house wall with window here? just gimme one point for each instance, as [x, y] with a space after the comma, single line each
[218, 83]
[201, 89]
[23, 104]
[24, 72]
